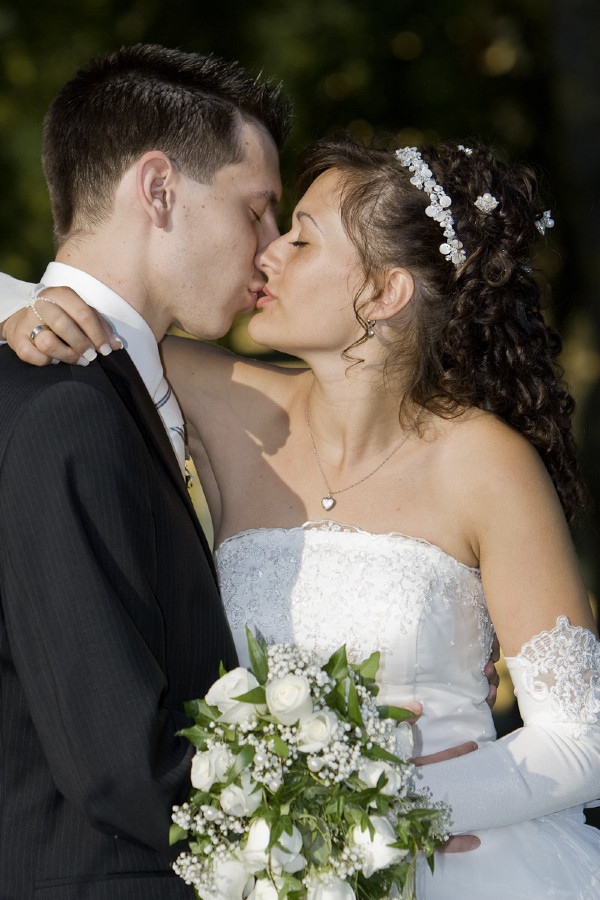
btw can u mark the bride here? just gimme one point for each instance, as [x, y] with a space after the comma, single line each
[409, 490]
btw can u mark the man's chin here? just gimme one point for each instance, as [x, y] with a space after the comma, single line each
[200, 330]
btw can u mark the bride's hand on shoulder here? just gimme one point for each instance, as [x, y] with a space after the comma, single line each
[70, 330]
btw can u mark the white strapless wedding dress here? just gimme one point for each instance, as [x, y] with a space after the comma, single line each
[324, 584]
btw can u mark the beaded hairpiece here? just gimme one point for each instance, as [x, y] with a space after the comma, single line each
[439, 201]
[544, 221]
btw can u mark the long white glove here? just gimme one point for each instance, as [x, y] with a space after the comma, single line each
[553, 761]
[14, 295]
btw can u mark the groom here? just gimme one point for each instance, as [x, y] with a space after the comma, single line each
[163, 175]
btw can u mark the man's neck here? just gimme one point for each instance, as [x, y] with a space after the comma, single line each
[119, 274]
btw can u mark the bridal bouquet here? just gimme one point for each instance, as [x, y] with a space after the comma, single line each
[300, 788]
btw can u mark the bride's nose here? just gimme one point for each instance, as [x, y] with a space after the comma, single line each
[269, 258]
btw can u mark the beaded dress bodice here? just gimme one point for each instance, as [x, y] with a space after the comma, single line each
[324, 584]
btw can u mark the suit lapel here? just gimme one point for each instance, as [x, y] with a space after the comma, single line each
[126, 380]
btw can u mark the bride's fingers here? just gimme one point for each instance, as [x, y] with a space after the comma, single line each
[459, 843]
[44, 346]
[75, 323]
[443, 755]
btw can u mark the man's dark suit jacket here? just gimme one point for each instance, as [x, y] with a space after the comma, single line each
[110, 619]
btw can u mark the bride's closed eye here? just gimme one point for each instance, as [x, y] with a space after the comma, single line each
[298, 243]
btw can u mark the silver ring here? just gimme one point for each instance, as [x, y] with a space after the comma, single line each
[35, 332]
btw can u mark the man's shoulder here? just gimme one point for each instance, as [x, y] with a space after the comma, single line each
[22, 382]
[41, 398]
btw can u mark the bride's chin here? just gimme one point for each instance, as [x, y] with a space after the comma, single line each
[260, 332]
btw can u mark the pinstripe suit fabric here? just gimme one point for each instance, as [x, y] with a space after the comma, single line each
[110, 620]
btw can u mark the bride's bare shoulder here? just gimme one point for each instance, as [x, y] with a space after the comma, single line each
[487, 455]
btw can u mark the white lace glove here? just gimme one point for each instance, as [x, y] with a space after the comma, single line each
[553, 762]
[14, 295]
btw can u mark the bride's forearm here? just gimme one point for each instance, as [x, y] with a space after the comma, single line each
[550, 764]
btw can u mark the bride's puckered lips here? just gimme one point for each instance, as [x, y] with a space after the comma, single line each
[266, 297]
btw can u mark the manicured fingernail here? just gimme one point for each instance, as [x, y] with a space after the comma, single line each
[82, 361]
[118, 341]
[105, 349]
[90, 354]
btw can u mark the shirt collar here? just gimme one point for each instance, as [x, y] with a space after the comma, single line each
[127, 323]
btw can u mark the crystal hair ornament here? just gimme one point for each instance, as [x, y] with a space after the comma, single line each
[439, 201]
[466, 150]
[545, 221]
[486, 203]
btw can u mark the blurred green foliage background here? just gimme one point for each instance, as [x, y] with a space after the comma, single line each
[523, 75]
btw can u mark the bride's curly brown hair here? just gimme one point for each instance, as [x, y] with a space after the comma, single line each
[472, 336]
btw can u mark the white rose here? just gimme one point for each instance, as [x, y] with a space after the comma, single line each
[317, 731]
[230, 879]
[334, 889]
[224, 691]
[376, 852]
[255, 851]
[284, 858]
[264, 889]
[288, 857]
[404, 741]
[370, 771]
[210, 766]
[288, 698]
[241, 799]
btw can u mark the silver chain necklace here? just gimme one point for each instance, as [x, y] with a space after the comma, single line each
[328, 502]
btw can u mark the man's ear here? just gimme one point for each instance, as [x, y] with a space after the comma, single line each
[397, 292]
[155, 176]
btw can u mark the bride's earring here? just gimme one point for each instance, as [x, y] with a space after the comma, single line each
[371, 327]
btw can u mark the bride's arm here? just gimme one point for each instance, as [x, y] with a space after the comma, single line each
[14, 295]
[71, 335]
[201, 374]
[541, 612]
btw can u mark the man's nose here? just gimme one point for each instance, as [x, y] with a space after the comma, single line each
[268, 234]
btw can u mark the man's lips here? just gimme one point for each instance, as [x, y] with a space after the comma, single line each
[254, 296]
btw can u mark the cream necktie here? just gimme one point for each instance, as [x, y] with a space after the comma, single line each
[168, 410]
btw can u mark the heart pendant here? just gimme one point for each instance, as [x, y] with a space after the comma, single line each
[327, 503]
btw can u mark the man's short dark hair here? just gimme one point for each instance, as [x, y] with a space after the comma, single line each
[146, 97]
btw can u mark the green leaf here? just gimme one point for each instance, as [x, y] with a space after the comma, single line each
[242, 760]
[196, 735]
[287, 824]
[337, 665]
[395, 712]
[353, 703]
[176, 833]
[201, 711]
[279, 746]
[258, 657]
[256, 695]
[316, 849]
[222, 669]
[336, 700]
[353, 815]
[289, 885]
[276, 832]
[341, 689]
[369, 667]
[377, 752]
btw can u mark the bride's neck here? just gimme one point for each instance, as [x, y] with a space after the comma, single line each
[352, 415]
